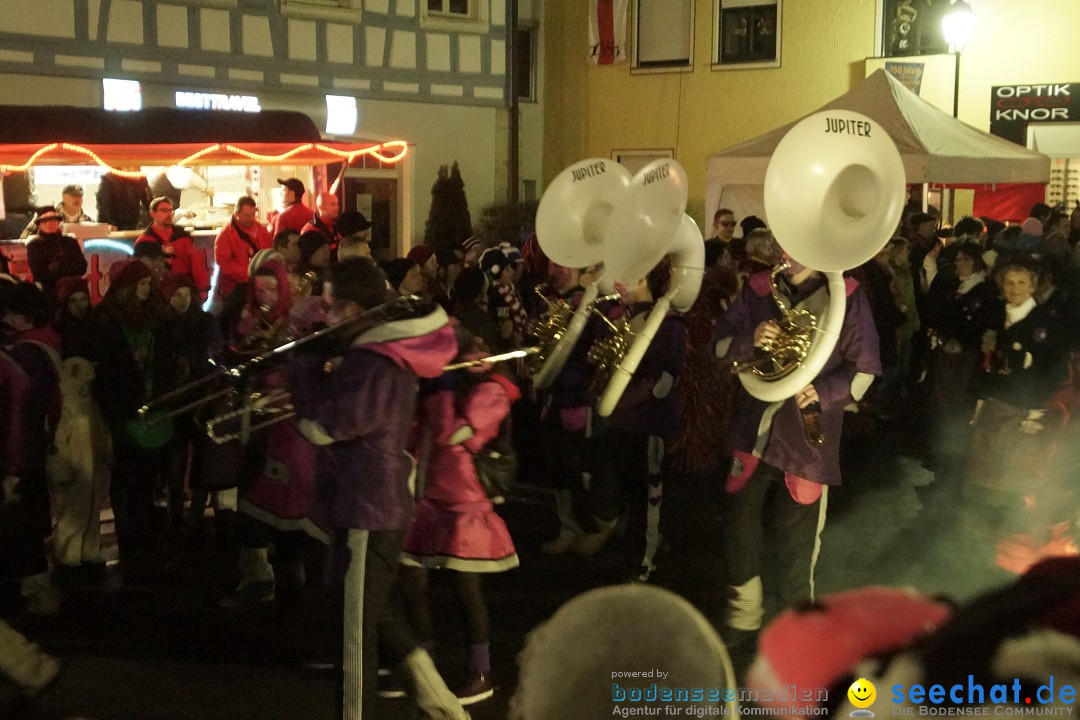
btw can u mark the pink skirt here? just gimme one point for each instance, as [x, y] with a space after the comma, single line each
[469, 537]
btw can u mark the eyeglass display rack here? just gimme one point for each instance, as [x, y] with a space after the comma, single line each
[1064, 186]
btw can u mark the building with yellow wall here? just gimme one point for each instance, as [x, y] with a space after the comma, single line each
[824, 45]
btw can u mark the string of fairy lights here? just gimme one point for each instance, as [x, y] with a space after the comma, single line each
[390, 153]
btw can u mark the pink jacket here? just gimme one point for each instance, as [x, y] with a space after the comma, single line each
[460, 424]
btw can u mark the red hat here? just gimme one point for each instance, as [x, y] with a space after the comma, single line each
[127, 274]
[171, 283]
[815, 647]
[420, 254]
[68, 286]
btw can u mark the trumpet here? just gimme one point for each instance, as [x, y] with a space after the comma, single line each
[275, 406]
[157, 409]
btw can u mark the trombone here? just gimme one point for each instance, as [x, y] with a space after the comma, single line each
[155, 410]
[275, 403]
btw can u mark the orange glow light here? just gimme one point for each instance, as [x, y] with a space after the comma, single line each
[390, 152]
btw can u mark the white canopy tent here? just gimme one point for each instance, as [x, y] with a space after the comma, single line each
[935, 148]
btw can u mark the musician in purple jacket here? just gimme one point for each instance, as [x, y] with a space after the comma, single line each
[361, 410]
[777, 470]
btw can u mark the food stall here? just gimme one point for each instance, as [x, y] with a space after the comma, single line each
[211, 158]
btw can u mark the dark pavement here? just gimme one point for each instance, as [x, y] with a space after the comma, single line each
[169, 652]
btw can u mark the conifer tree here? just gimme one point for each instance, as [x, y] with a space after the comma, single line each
[448, 223]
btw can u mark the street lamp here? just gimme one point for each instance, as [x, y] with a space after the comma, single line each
[958, 24]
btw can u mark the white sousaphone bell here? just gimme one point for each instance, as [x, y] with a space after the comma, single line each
[571, 227]
[834, 191]
[647, 224]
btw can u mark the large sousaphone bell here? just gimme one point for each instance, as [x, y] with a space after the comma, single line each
[834, 191]
[571, 226]
[648, 224]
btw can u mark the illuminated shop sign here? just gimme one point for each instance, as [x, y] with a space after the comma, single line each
[121, 95]
[341, 115]
[216, 101]
[1012, 107]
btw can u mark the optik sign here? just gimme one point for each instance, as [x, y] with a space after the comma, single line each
[1012, 107]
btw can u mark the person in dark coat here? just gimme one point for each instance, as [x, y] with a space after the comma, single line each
[73, 320]
[134, 364]
[629, 447]
[363, 475]
[34, 347]
[963, 310]
[121, 201]
[52, 255]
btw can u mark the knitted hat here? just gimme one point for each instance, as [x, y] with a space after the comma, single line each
[469, 243]
[148, 248]
[496, 259]
[397, 269]
[420, 254]
[816, 646]
[127, 274]
[68, 286]
[171, 283]
[1032, 226]
[351, 222]
[310, 242]
[262, 257]
[447, 257]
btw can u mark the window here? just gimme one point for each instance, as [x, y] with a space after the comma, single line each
[525, 64]
[449, 7]
[913, 27]
[342, 10]
[455, 15]
[747, 32]
[634, 160]
[663, 34]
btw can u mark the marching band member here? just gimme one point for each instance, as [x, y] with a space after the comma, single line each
[364, 473]
[456, 526]
[630, 446]
[776, 471]
[566, 420]
[35, 348]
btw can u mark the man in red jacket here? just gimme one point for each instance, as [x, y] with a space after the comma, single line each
[236, 244]
[326, 214]
[179, 248]
[296, 214]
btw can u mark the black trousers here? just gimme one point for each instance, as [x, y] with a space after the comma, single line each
[765, 504]
[372, 619]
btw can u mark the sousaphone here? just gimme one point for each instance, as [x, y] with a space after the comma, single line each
[571, 225]
[834, 191]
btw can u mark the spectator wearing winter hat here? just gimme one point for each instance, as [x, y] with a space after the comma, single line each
[424, 256]
[472, 248]
[500, 264]
[194, 336]
[404, 276]
[52, 255]
[314, 259]
[134, 364]
[27, 522]
[73, 321]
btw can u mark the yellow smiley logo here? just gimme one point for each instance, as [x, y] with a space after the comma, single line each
[862, 693]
